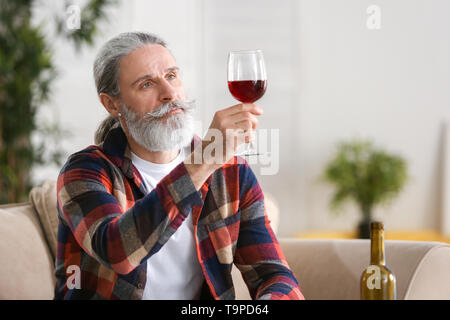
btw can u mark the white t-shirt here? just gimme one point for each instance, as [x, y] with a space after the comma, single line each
[173, 273]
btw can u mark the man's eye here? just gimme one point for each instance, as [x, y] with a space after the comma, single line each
[171, 76]
[146, 84]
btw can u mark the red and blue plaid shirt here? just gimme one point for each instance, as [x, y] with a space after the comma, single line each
[109, 225]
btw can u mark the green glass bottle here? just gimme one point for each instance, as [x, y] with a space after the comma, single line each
[377, 281]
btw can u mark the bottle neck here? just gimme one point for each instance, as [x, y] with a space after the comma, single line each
[377, 247]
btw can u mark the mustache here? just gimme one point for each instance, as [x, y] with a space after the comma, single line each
[165, 108]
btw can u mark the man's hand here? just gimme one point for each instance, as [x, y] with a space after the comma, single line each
[232, 127]
[234, 124]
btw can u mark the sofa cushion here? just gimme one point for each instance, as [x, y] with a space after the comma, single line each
[44, 200]
[27, 266]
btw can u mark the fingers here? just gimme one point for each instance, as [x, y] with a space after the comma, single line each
[235, 125]
[244, 107]
[244, 120]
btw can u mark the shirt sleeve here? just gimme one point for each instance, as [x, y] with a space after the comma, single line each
[258, 253]
[121, 240]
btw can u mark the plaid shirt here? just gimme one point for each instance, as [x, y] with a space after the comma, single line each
[109, 225]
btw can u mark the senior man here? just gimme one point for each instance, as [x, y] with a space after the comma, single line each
[139, 216]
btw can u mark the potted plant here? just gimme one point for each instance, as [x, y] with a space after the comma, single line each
[367, 175]
[27, 72]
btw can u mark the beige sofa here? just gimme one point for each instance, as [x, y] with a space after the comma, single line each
[326, 269]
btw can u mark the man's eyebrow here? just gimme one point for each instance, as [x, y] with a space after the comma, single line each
[149, 76]
[172, 69]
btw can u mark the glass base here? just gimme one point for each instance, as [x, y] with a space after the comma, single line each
[249, 150]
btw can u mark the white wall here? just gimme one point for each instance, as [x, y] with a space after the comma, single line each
[389, 84]
[330, 78]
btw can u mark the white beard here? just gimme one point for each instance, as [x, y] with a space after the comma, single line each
[156, 134]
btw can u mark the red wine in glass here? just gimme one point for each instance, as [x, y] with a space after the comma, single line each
[247, 80]
[247, 91]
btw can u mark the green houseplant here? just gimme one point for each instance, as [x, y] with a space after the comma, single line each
[366, 175]
[26, 75]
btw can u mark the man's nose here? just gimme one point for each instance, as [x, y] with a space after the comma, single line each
[168, 92]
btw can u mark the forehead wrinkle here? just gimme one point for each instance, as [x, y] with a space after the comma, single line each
[149, 57]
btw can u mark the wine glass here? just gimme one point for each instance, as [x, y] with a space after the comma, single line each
[247, 81]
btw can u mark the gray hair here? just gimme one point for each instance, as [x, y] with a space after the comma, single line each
[106, 68]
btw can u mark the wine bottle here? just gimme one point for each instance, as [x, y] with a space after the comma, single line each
[377, 281]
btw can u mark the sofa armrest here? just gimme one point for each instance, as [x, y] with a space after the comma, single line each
[431, 279]
[27, 266]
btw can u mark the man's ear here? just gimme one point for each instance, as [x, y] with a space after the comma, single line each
[111, 104]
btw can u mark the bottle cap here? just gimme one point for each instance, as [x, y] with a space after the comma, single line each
[376, 225]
